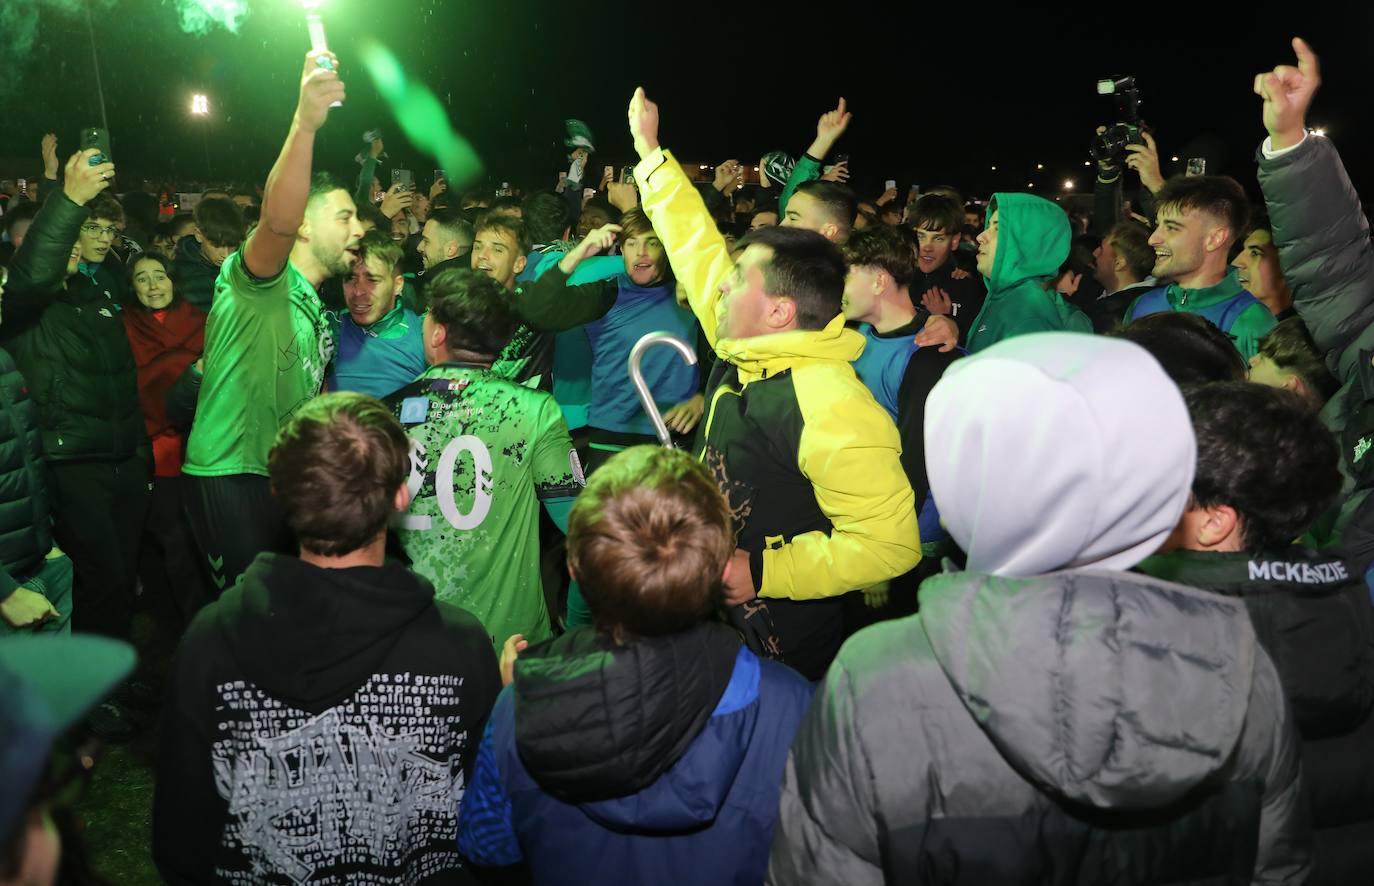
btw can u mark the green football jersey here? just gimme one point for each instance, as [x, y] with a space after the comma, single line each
[484, 452]
[267, 343]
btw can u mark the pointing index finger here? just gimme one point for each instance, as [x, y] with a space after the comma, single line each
[1307, 59]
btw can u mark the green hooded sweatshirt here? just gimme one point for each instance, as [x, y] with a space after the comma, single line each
[1032, 242]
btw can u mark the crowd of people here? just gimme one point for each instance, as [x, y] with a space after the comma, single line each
[996, 543]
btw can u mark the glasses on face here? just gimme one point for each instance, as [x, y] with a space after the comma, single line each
[100, 230]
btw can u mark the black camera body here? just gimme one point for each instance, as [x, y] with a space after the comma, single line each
[1109, 146]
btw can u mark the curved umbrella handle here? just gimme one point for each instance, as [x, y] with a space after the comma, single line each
[642, 387]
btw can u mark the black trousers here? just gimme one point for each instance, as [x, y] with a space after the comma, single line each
[234, 519]
[169, 555]
[99, 507]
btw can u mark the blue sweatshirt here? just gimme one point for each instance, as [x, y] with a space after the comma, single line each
[380, 359]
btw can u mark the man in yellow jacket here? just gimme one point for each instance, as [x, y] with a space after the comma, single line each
[807, 458]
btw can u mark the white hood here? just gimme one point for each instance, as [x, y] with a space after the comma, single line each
[1058, 451]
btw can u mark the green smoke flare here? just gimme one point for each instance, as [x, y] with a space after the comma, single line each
[198, 16]
[421, 116]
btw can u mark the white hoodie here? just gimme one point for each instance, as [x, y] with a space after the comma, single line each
[1057, 451]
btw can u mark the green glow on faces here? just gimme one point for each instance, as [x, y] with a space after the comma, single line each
[421, 116]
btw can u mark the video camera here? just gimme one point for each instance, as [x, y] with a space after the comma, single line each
[1109, 146]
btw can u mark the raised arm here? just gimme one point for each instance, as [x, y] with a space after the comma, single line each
[550, 304]
[40, 265]
[700, 259]
[288, 184]
[829, 128]
[1319, 227]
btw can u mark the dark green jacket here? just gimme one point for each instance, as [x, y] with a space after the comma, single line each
[1033, 237]
[25, 522]
[68, 339]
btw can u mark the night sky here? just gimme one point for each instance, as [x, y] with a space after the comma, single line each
[939, 93]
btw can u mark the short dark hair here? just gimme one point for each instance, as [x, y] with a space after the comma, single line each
[369, 213]
[1189, 347]
[1291, 348]
[601, 204]
[453, 223]
[1219, 196]
[473, 309]
[1263, 452]
[837, 201]
[806, 268]
[379, 245]
[1131, 241]
[335, 469]
[648, 540]
[936, 212]
[761, 210]
[882, 247]
[1259, 221]
[322, 184]
[546, 216]
[947, 191]
[506, 224]
[104, 205]
[220, 221]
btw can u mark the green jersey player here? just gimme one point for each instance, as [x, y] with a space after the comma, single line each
[484, 453]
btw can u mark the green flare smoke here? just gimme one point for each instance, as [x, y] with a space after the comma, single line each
[421, 116]
[199, 16]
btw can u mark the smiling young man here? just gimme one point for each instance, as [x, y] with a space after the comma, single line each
[96, 241]
[618, 312]
[1199, 218]
[807, 459]
[268, 341]
[381, 347]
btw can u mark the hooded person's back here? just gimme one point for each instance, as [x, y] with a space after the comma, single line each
[1033, 239]
[1048, 717]
[318, 726]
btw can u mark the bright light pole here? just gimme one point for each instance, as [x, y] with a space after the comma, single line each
[200, 107]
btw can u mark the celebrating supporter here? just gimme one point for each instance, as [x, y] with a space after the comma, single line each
[941, 284]
[1258, 270]
[808, 461]
[167, 335]
[263, 684]
[1023, 245]
[1122, 264]
[63, 329]
[646, 748]
[268, 342]
[1200, 217]
[1043, 707]
[1266, 469]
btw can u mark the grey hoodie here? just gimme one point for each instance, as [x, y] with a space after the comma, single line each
[1073, 725]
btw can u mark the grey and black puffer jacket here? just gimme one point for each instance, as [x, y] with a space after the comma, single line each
[1077, 727]
[68, 338]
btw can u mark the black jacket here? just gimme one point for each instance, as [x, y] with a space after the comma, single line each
[320, 724]
[69, 342]
[195, 276]
[25, 520]
[963, 286]
[1314, 618]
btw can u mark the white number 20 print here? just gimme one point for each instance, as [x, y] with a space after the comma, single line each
[443, 483]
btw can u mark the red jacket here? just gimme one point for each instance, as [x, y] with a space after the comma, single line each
[163, 348]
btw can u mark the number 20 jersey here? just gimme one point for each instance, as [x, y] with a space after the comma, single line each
[483, 453]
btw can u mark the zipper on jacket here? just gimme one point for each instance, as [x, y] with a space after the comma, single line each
[711, 415]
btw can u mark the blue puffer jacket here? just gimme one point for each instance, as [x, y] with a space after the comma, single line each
[656, 762]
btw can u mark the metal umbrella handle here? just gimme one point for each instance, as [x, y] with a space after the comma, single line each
[637, 376]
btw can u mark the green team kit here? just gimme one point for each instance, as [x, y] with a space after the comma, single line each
[484, 453]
